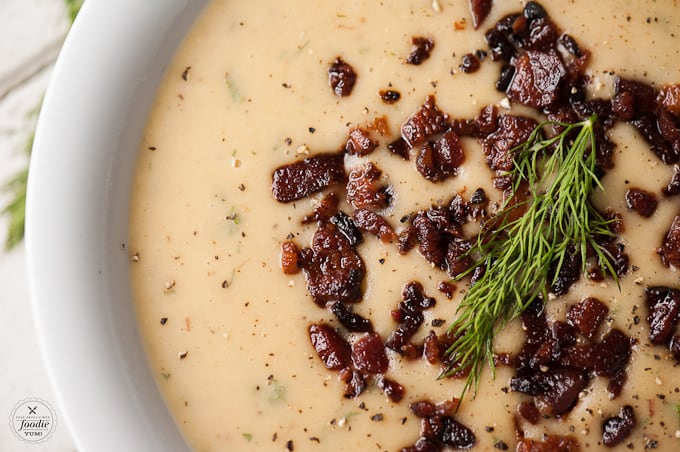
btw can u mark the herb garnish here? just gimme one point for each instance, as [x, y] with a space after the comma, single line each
[517, 252]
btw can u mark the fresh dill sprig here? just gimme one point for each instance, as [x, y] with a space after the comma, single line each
[518, 248]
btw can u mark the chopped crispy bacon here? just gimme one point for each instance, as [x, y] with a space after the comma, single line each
[641, 201]
[325, 210]
[362, 190]
[332, 348]
[424, 123]
[290, 255]
[332, 266]
[422, 47]
[511, 132]
[373, 223]
[538, 78]
[351, 320]
[617, 428]
[670, 248]
[553, 443]
[303, 178]
[664, 306]
[399, 147]
[393, 390]
[441, 159]
[359, 142]
[479, 9]
[587, 315]
[341, 77]
[368, 354]
[409, 316]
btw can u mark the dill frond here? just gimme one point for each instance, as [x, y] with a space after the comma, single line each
[517, 252]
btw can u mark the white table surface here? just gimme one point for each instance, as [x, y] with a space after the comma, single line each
[31, 34]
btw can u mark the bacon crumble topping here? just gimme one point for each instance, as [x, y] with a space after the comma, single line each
[541, 68]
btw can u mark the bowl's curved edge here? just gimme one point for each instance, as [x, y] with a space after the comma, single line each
[79, 190]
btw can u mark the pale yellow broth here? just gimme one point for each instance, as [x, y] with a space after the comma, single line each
[234, 360]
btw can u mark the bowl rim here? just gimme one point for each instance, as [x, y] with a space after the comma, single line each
[79, 188]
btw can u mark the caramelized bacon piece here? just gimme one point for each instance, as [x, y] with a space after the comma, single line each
[303, 178]
[469, 63]
[479, 9]
[348, 228]
[341, 77]
[669, 98]
[617, 428]
[538, 78]
[529, 412]
[587, 315]
[457, 260]
[664, 306]
[350, 320]
[373, 223]
[569, 272]
[332, 348]
[612, 354]
[638, 103]
[437, 161]
[643, 202]
[355, 382]
[670, 248]
[432, 244]
[290, 254]
[425, 122]
[422, 47]
[393, 390]
[438, 428]
[559, 390]
[368, 354]
[325, 210]
[409, 316]
[511, 132]
[399, 147]
[333, 268]
[362, 190]
[432, 348]
[553, 443]
[359, 142]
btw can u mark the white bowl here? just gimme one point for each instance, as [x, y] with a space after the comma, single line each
[79, 189]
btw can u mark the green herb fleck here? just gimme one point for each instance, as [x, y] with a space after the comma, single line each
[518, 253]
[233, 89]
[248, 436]
[166, 375]
[276, 390]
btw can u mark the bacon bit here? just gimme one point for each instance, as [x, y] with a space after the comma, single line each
[479, 9]
[333, 350]
[359, 143]
[300, 179]
[341, 77]
[373, 223]
[290, 254]
[379, 125]
[389, 96]
[425, 122]
[362, 190]
[421, 50]
[459, 25]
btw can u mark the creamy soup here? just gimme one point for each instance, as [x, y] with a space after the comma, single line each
[227, 332]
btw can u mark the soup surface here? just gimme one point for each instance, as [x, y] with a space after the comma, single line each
[227, 332]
